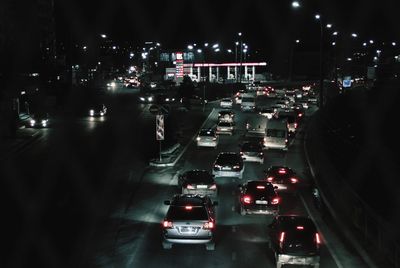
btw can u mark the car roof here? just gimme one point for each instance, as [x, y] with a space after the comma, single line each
[251, 145]
[197, 175]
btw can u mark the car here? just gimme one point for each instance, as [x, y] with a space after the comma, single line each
[291, 119]
[226, 103]
[98, 110]
[228, 164]
[283, 177]
[252, 152]
[226, 116]
[304, 103]
[258, 197]
[164, 98]
[39, 120]
[199, 182]
[207, 138]
[190, 219]
[294, 240]
[147, 98]
[268, 112]
[224, 128]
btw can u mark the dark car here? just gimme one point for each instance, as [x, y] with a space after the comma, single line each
[294, 240]
[39, 120]
[228, 164]
[190, 219]
[291, 120]
[97, 110]
[197, 182]
[252, 152]
[283, 177]
[258, 197]
[226, 116]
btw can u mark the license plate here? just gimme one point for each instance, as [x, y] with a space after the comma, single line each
[226, 168]
[187, 230]
[261, 202]
[202, 186]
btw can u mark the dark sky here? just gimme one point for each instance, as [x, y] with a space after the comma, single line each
[262, 21]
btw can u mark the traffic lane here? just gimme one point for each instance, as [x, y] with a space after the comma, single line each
[231, 252]
[74, 167]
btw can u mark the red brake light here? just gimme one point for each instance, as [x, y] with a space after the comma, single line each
[300, 114]
[275, 201]
[247, 199]
[317, 238]
[189, 186]
[208, 225]
[262, 187]
[213, 187]
[282, 237]
[270, 179]
[188, 207]
[300, 227]
[293, 180]
[167, 224]
[282, 171]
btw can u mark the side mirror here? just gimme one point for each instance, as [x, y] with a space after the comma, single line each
[167, 202]
[215, 203]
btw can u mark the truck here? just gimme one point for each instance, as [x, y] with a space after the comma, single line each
[248, 102]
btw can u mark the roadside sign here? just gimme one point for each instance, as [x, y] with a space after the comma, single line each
[154, 109]
[347, 81]
[160, 127]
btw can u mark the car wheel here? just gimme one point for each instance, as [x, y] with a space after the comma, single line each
[166, 245]
[210, 246]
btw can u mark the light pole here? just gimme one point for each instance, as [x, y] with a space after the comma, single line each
[321, 71]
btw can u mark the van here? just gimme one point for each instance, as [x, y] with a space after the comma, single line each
[248, 102]
[276, 135]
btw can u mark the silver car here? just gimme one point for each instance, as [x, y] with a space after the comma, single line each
[199, 182]
[226, 103]
[225, 128]
[252, 152]
[207, 138]
[190, 219]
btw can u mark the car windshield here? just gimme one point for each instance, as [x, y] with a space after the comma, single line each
[207, 133]
[251, 147]
[185, 213]
[224, 124]
[228, 159]
[277, 133]
[199, 177]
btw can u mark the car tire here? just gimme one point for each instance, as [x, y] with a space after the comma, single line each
[166, 245]
[210, 246]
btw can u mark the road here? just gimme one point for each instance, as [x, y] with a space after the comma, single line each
[83, 195]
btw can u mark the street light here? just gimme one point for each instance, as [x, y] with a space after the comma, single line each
[190, 47]
[295, 4]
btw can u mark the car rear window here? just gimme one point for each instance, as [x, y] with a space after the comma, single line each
[199, 177]
[231, 159]
[300, 243]
[207, 133]
[181, 213]
[251, 147]
[277, 133]
[224, 124]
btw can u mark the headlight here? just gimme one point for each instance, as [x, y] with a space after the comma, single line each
[113, 84]
[150, 98]
[142, 99]
[32, 122]
[198, 138]
[91, 112]
[101, 113]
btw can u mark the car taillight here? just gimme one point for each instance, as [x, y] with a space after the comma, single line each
[261, 187]
[236, 167]
[270, 179]
[213, 187]
[282, 171]
[246, 199]
[198, 138]
[261, 153]
[295, 125]
[188, 207]
[282, 237]
[293, 180]
[189, 186]
[208, 225]
[241, 153]
[317, 238]
[167, 224]
[300, 114]
[275, 201]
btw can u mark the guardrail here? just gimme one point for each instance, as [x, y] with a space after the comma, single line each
[377, 237]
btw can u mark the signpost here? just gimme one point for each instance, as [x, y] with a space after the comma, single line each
[160, 130]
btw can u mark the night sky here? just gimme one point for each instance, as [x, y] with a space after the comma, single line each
[264, 23]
